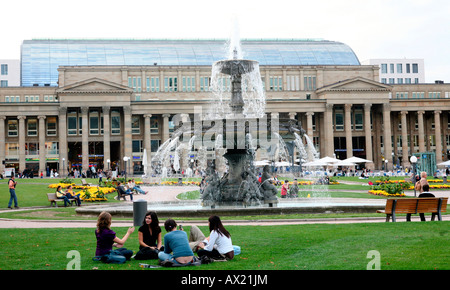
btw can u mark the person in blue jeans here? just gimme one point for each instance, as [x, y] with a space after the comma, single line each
[122, 190]
[12, 192]
[176, 246]
[62, 195]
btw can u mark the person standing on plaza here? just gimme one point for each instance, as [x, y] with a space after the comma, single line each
[12, 191]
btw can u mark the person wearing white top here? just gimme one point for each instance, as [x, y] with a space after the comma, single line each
[218, 245]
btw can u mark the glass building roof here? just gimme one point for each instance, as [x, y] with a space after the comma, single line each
[40, 58]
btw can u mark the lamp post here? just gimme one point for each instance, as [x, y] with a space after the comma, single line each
[125, 159]
[386, 164]
[413, 160]
[64, 160]
[108, 161]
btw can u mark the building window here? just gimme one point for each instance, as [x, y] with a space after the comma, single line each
[93, 122]
[153, 84]
[276, 83]
[51, 126]
[418, 95]
[359, 117]
[383, 80]
[155, 145]
[13, 128]
[188, 84]
[52, 148]
[115, 122]
[399, 68]
[170, 84]
[4, 69]
[399, 81]
[72, 117]
[384, 68]
[401, 95]
[408, 68]
[391, 68]
[310, 83]
[3, 84]
[32, 127]
[135, 125]
[434, 95]
[12, 99]
[154, 127]
[137, 146]
[50, 98]
[204, 84]
[31, 99]
[31, 148]
[415, 68]
[12, 149]
[391, 80]
[135, 83]
[339, 119]
[407, 80]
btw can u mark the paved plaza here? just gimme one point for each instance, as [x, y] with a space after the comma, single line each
[161, 194]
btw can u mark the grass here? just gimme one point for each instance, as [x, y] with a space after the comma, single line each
[412, 245]
[401, 246]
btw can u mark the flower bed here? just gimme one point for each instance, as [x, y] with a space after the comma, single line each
[385, 193]
[87, 193]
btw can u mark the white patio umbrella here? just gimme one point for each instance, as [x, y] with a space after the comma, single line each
[315, 163]
[282, 163]
[329, 160]
[357, 160]
[261, 162]
[446, 163]
[343, 163]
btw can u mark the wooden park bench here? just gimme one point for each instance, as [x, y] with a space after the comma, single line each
[54, 200]
[84, 183]
[433, 205]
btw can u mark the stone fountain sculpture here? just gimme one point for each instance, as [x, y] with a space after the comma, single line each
[240, 127]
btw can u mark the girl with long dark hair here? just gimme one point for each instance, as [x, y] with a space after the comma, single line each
[218, 245]
[149, 234]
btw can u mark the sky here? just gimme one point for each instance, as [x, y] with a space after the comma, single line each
[372, 28]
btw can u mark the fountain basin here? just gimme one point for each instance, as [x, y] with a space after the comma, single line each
[195, 210]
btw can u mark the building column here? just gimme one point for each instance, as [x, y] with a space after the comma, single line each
[62, 133]
[127, 136]
[85, 139]
[405, 155]
[22, 134]
[42, 150]
[387, 135]
[421, 131]
[2, 143]
[309, 124]
[368, 136]
[329, 138]
[166, 134]
[348, 130]
[106, 137]
[437, 130]
[147, 139]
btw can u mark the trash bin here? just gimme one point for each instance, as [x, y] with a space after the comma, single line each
[139, 211]
[444, 179]
[180, 180]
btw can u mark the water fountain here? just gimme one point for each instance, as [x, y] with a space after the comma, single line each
[232, 129]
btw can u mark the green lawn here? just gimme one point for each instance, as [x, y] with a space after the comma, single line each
[401, 246]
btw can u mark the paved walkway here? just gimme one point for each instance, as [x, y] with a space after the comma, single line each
[169, 193]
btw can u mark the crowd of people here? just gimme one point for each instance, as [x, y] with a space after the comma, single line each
[176, 249]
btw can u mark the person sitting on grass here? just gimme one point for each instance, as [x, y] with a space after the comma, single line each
[218, 245]
[150, 241]
[107, 239]
[175, 242]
